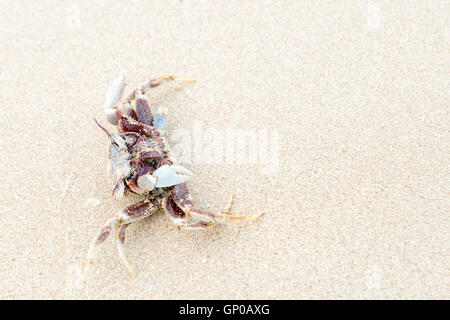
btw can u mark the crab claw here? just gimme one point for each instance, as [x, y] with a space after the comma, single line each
[111, 116]
[146, 182]
[164, 176]
[171, 175]
[113, 97]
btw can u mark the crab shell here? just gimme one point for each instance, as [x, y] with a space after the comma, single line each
[136, 161]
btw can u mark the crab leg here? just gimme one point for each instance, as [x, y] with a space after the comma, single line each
[130, 214]
[98, 240]
[227, 208]
[154, 83]
[143, 112]
[220, 217]
[202, 224]
[195, 225]
[180, 219]
[182, 198]
[121, 248]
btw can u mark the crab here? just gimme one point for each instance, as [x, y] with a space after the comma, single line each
[140, 162]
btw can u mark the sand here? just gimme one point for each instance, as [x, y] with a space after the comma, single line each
[354, 93]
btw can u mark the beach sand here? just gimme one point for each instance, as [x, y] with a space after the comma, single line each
[354, 94]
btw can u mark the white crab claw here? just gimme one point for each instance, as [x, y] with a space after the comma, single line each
[171, 175]
[181, 170]
[164, 176]
[113, 97]
[111, 116]
[115, 91]
[146, 182]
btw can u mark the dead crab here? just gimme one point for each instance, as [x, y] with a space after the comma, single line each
[140, 162]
